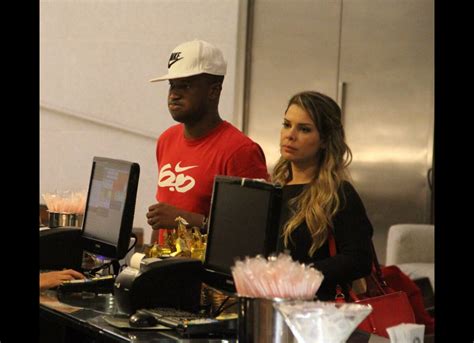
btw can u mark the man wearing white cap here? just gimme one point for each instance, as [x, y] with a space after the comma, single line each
[203, 145]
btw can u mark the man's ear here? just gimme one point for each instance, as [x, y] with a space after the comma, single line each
[215, 90]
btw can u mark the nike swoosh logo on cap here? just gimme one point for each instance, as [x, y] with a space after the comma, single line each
[170, 63]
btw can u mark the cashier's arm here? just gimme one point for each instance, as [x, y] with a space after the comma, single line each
[55, 278]
[163, 215]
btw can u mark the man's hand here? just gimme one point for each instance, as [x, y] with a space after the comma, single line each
[163, 216]
[55, 278]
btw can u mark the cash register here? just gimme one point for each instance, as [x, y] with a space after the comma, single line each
[173, 282]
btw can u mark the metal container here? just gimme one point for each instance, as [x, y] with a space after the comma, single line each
[59, 219]
[261, 322]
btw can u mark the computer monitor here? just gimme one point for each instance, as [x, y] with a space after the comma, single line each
[243, 221]
[110, 207]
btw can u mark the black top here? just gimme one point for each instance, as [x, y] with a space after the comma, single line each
[353, 233]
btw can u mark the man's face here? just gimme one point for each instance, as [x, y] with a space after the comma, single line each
[188, 98]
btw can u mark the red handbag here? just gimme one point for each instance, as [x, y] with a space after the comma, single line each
[389, 307]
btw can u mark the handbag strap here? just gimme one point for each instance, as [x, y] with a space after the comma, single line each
[375, 270]
[376, 266]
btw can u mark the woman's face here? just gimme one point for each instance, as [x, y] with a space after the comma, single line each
[299, 137]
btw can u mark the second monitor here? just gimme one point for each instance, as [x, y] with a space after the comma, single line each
[243, 221]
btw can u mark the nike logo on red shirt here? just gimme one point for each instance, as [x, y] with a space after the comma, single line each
[180, 169]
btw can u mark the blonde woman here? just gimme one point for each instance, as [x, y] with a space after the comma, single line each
[317, 195]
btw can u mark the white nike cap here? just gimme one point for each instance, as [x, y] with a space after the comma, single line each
[193, 58]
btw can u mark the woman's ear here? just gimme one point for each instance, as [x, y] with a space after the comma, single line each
[322, 144]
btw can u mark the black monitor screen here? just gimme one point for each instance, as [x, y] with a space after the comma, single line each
[243, 222]
[110, 207]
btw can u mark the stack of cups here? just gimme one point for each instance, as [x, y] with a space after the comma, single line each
[60, 219]
[65, 208]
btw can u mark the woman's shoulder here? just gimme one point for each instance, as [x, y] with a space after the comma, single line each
[352, 208]
[346, 187]
[348, 194]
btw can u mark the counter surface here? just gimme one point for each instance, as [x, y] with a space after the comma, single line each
[82, 318]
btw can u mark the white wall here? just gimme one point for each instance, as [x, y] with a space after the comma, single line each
[96, 58]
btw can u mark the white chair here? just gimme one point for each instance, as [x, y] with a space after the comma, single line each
[411, 248]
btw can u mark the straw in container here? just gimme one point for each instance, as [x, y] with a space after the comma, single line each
[276, 277]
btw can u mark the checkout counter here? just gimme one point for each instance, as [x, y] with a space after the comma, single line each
[88, 317]
[77, 318]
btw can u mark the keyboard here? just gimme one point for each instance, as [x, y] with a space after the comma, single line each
[100, 284]
[187, 323]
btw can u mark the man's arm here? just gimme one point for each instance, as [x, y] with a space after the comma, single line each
[163, 216]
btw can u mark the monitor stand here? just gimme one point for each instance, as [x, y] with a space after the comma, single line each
[116, 267]
[94, 263]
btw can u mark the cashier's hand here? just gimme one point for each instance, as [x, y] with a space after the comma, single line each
[163, 216]
[55, 278]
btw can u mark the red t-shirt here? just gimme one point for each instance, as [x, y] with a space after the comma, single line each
[186, 167]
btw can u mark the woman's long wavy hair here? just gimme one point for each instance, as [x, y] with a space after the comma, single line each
[319, 202]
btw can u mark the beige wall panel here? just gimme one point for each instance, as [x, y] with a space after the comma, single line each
[294, 48]
[387, 65]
